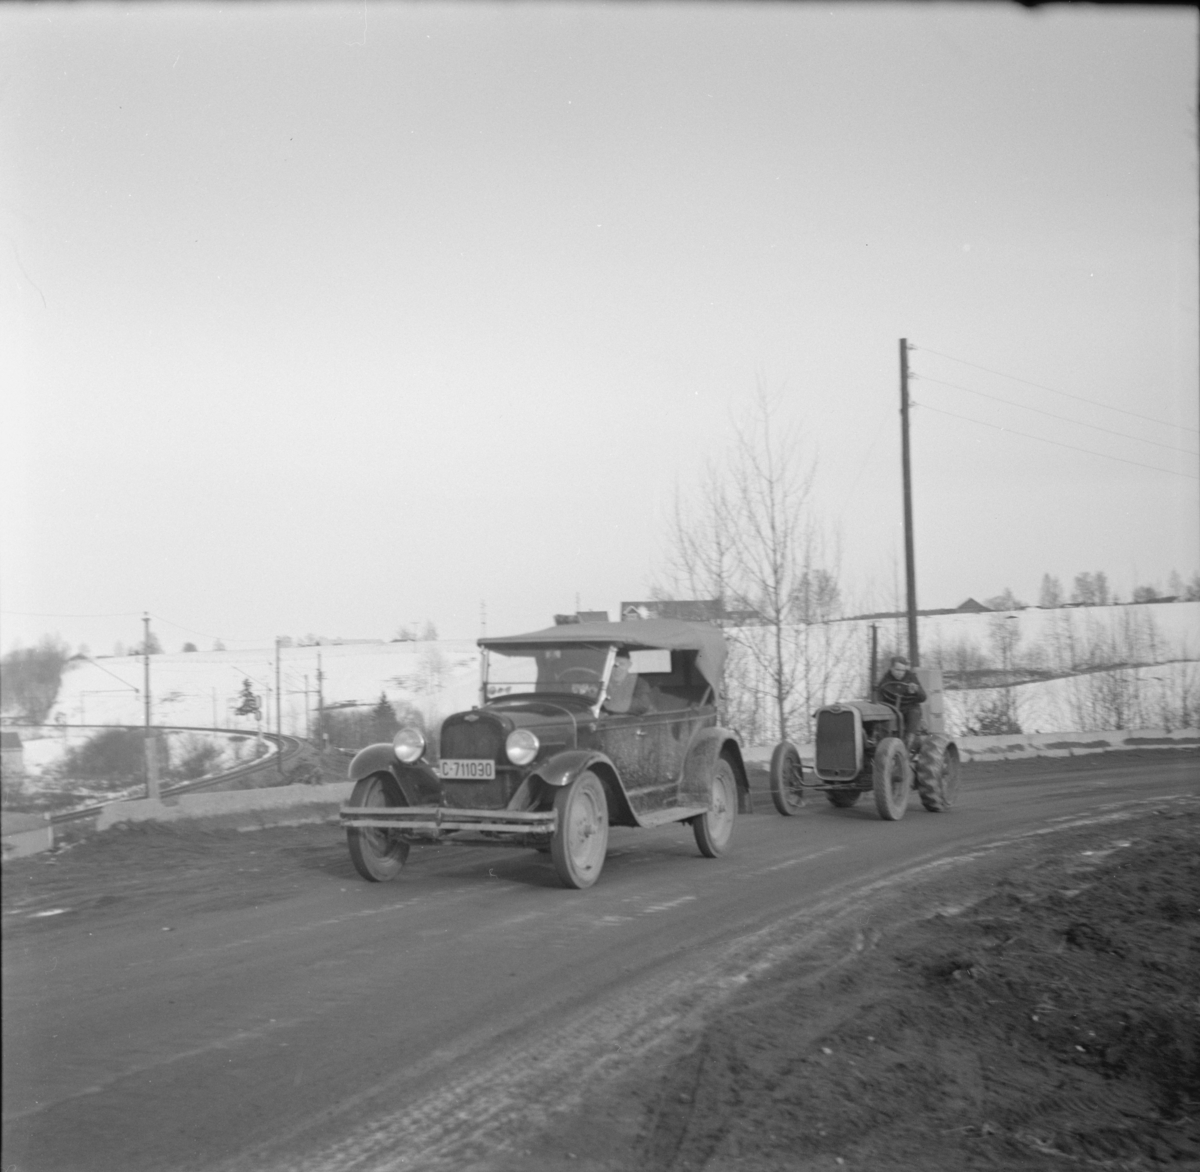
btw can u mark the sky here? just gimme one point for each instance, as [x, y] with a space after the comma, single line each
[334, 318]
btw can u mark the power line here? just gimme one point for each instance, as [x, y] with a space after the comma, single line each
[1056, 443]
[1055, 391]
[32, 614]
[193, 631]
[1050, 414]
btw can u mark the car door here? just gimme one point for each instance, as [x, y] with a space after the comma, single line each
[648, 750]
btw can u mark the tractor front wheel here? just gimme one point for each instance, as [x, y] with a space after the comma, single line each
[891, 776]
[786, 791]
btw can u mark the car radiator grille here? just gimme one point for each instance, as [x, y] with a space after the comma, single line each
[472, 740]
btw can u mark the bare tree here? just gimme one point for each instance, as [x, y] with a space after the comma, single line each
[1091, 589]
[1006, 600]
[748, 539]
[1051, 595]
[30, 679]
[701, 556]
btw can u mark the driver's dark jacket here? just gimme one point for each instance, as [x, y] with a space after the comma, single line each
[899, 695]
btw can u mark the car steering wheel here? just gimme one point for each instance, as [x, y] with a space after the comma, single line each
[583, 673]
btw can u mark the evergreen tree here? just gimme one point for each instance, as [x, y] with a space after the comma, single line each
[383, 719]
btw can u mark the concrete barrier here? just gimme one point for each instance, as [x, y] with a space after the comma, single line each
[1073, 744]
[278, 805]
[25, 834]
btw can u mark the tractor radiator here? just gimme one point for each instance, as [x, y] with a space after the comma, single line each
[837, 745]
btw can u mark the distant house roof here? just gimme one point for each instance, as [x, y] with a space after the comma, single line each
[971, 607]
[688, 610]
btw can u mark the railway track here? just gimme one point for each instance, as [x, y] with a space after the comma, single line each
[287, 748]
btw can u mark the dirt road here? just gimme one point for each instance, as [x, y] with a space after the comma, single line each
[175, 999]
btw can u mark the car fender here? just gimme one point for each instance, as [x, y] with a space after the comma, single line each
[701, 759]
[563, 768]
[418, 783]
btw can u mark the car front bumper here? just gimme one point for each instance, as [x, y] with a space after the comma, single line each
[434, 823]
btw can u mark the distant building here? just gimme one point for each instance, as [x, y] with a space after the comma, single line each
[582, 616]
[968, 607]
[12, 753]
[689, 610]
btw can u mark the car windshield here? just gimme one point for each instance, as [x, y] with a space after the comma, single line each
[561, 669]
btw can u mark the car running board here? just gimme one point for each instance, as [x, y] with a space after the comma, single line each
[672, 814]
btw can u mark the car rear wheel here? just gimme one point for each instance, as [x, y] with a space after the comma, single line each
[581, 836]
[891, 776]
[377, 854]
[786, 791]
[714, 829]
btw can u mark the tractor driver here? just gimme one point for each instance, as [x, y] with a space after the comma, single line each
[901, 687]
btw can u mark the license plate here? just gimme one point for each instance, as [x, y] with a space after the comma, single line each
[459, 770]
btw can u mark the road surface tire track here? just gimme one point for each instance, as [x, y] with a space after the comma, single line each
[472, 1121]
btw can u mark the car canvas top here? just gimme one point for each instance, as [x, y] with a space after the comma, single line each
[667, 634]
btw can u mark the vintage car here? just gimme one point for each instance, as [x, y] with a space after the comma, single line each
[580, 727]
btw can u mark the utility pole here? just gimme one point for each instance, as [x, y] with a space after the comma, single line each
[874, 660]
[278, 713]
[320, 704]
[910, 567]
[150, 747]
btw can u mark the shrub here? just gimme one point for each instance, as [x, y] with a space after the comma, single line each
[115, 754]
[198, 757]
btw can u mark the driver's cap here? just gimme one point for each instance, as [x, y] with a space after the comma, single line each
[899, 661]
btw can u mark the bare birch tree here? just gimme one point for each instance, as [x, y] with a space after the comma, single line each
[748, 538]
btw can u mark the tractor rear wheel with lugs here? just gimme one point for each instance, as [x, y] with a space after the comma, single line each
[938, 772]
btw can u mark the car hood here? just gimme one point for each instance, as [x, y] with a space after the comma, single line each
[467, 733]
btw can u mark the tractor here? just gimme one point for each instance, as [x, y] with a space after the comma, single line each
[860, 749]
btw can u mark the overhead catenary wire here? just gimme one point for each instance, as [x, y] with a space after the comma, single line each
[34, 614]
[1056, 443]
[1056, 391]
[1064, 418]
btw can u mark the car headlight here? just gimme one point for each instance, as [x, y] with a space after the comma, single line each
[408, 744]
[522, 746]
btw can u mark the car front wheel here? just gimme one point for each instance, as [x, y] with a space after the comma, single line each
[377, 854]
[581, 836]
[714, 829]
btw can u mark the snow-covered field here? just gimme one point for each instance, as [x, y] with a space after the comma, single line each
[203, 688]
[1165, 696]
